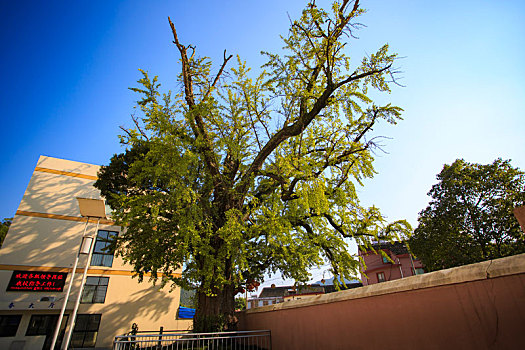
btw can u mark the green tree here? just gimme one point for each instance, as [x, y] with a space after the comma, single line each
[240, 303]
[4, 227]
[239, 174]
[470, 217]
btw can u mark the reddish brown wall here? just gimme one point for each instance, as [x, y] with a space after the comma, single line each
[458, 309]
[519, 213]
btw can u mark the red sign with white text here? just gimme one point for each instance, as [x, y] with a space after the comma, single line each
[37, 281]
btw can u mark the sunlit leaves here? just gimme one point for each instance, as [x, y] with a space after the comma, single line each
[189, 190]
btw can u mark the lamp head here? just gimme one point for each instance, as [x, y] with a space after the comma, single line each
[93, 208]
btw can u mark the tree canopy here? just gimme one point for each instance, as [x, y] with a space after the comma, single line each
[4, 227]
[470, 217]
[236, 174]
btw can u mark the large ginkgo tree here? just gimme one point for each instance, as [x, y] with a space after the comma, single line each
[237, 173]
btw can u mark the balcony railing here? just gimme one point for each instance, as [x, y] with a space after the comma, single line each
[183, 340]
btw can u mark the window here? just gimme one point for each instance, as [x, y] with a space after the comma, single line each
[9, 325]
[85, 331]
[95, 290]
[419, 271]
[188, 298]
[42, 324]
[45, 325]
[381, 277]
[101, 254]
[385, 260]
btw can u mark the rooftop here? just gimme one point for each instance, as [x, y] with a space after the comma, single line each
[398, 248]
[283, 291]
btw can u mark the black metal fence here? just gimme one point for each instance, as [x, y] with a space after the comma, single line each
[184, 340]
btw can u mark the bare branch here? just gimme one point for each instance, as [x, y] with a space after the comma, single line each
[337, 227]
[354, 77]
[289, 194]
[368, 127]
[188, 84]
[225, 61]
[126, 131]
[135, 120]
[264, 124]
[283, 134]
[198, 127]
[309, 87]
[252, 122]
[275, 177]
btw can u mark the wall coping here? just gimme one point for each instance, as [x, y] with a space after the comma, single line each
[510, 265]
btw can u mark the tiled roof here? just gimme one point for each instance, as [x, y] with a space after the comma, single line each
[269, 292]
[398, 248]
[282, 291]
[331, 288]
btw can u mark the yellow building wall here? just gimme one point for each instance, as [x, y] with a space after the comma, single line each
[45, 235]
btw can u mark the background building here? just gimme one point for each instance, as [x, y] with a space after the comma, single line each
[35, 269]
[275, 295]
[397, 263]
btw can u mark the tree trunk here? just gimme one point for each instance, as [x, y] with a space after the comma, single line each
[215, 313]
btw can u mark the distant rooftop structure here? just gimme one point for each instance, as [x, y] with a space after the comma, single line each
[330, 288]
[275, 295]
[284, 291]
[397, 248]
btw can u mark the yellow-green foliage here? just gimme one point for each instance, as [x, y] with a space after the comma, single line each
[230, 177]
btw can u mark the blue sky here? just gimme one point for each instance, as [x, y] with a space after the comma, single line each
[67, 66]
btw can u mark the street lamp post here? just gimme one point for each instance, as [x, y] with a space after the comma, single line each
[89, 208]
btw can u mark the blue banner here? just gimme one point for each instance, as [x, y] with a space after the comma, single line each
[186, 312]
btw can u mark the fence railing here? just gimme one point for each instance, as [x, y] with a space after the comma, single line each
[183, 340]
